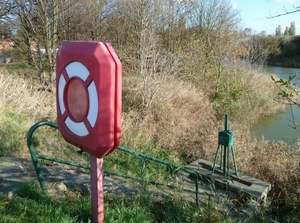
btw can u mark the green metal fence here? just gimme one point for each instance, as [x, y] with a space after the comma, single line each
[35, 160]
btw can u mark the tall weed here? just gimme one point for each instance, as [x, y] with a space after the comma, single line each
[21, 105]
[26, 99]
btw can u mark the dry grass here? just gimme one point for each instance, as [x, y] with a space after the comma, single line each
[24, 99]
[181, 119]
[275, 163]
[21, 105]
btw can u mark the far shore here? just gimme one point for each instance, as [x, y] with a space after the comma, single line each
[292, 62]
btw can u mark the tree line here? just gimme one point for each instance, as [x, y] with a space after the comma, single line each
[289, 30]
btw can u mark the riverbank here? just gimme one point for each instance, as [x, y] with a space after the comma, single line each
[282, 61]
[280, 126]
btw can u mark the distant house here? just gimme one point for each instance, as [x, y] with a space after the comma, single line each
[5, 44]
[36, 48]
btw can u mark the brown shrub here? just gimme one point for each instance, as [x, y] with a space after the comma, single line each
[272, 162]
[181, 119]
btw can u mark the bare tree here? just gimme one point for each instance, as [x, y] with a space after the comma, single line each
[5, 31]
[85, 20]
[296, 9]
[145, 21]
[45, 23]
[5, 7]
[37, 24]
[33, 31]
[174, 23]
[215, 25]
[257, 51]
[156, 67]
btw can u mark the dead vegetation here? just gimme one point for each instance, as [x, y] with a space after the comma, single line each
[25, 99]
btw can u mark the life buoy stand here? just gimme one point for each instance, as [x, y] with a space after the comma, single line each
[78, 99]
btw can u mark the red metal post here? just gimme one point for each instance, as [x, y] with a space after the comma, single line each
[97, 189]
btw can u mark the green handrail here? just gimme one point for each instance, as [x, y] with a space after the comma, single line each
[32, 151]
[35, 157]
[177, 167]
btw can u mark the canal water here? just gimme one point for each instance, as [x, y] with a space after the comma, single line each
[279, 127]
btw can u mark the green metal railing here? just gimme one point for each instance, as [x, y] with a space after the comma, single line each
[36, 164]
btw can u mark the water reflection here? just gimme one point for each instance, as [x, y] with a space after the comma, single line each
[280, 127]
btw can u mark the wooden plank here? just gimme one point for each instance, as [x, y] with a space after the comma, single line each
[246, 185]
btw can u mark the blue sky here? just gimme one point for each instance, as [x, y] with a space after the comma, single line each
[254, 13]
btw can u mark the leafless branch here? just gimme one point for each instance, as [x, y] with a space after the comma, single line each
[296, 9]
[5, 7]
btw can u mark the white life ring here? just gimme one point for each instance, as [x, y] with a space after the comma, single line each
[77, 70]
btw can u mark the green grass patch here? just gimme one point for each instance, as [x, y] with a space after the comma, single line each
[13, 67]
[134, 165]
[22, 70]
[11, 131]
[31, 205]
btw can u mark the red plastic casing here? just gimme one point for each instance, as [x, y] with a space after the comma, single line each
[89, 109]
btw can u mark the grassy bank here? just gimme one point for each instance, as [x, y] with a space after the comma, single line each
[181, 126]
